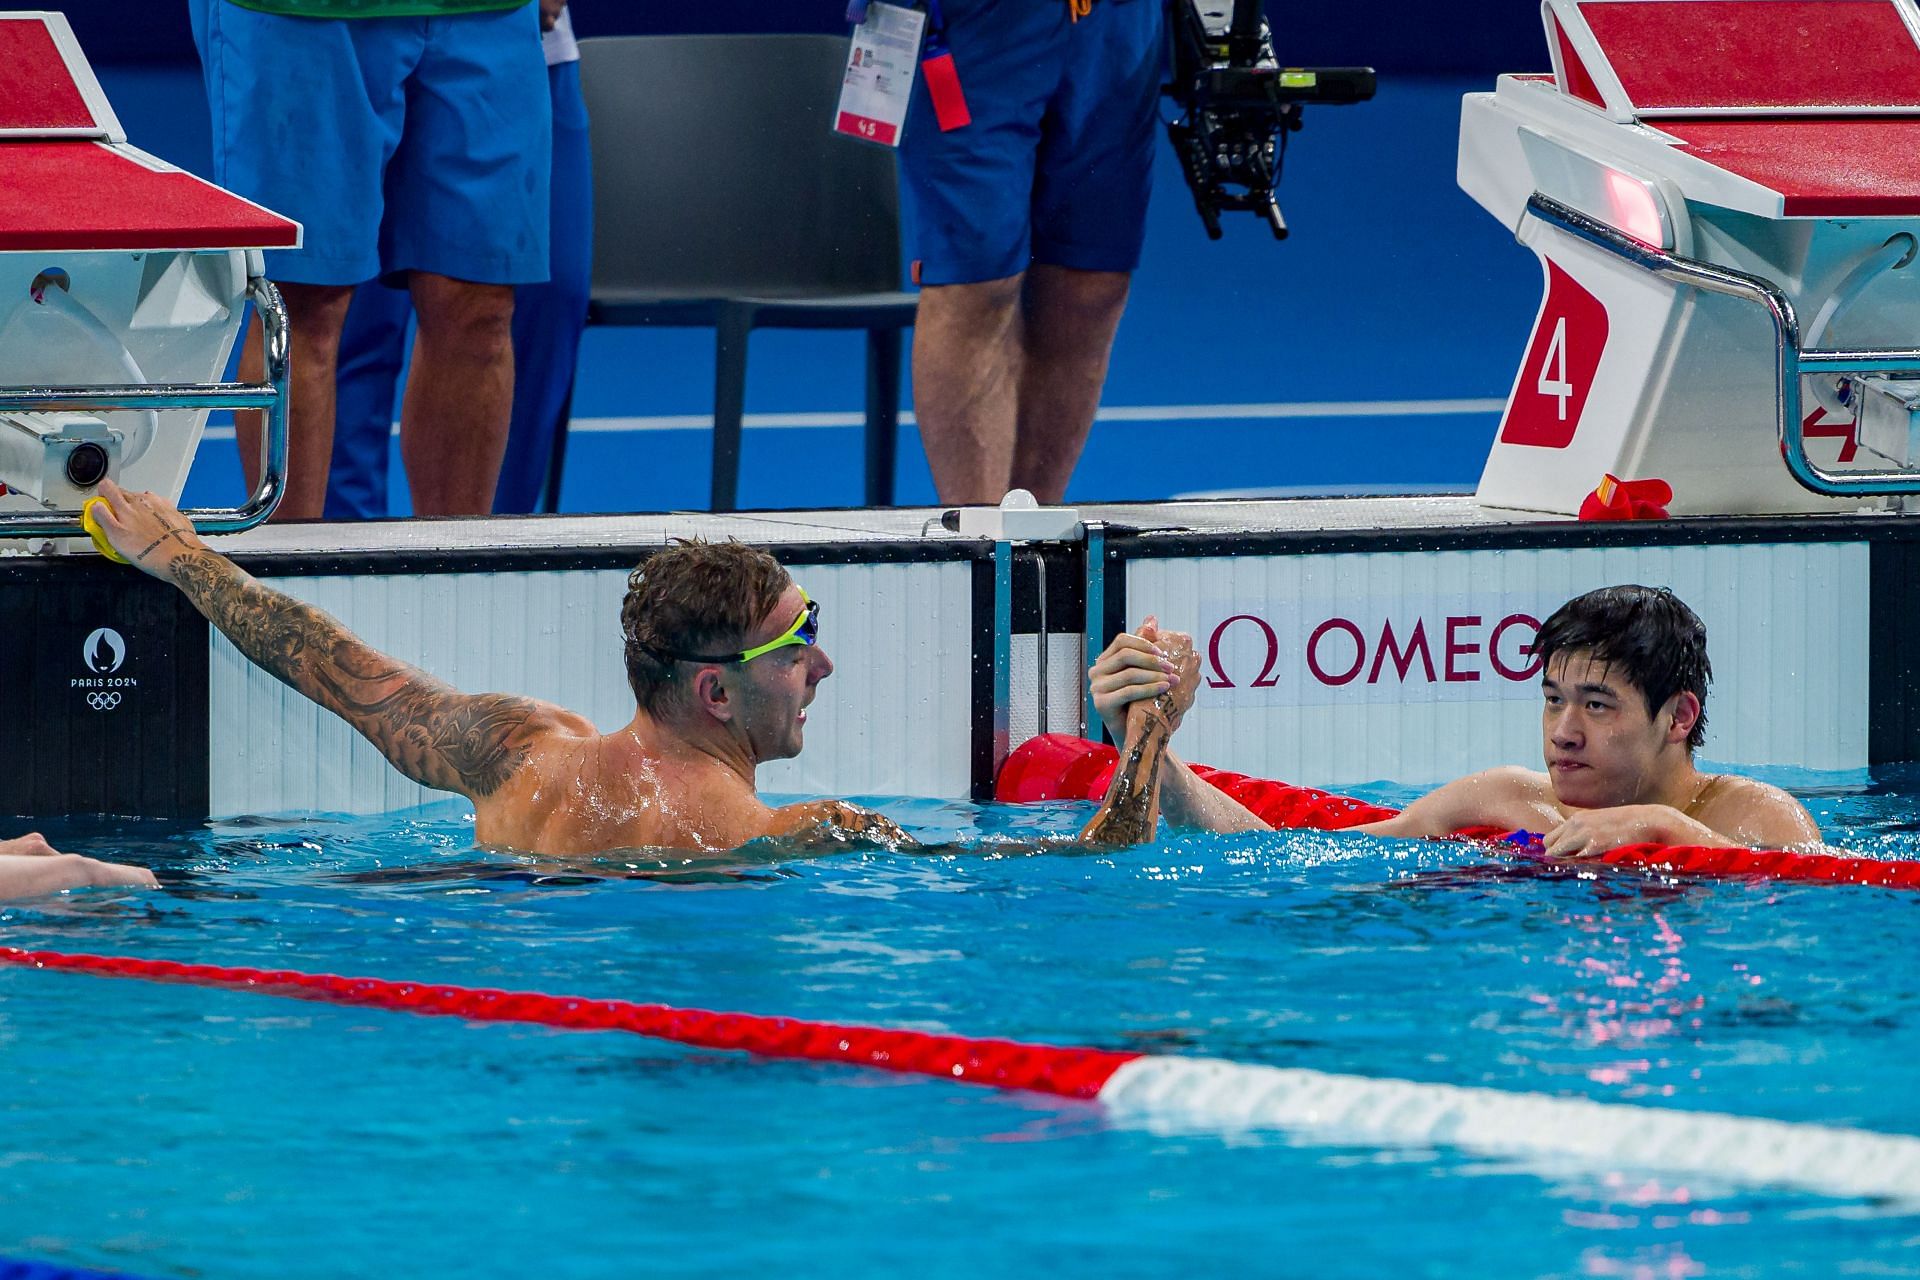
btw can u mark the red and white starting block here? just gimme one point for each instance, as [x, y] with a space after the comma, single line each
[123, 284]
[1725, 199]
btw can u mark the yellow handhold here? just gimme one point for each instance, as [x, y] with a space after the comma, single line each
[94, 531]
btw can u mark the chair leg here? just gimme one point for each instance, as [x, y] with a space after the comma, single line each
[729, 403]
[557, 457]
[883, 413]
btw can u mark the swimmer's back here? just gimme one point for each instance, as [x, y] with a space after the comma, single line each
[581, 792]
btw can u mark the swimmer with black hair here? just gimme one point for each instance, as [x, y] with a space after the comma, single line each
[1624, 687]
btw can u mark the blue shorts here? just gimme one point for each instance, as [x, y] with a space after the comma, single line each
[1058, 161]
[400, 144]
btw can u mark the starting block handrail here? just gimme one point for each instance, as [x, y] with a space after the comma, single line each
[1790, 360]
[270, 395]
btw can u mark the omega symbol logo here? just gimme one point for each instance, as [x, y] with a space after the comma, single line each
[104, 651]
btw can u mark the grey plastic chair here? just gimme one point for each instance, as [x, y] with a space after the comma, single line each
[722, 197]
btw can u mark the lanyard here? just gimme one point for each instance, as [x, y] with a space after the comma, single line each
[936, 29]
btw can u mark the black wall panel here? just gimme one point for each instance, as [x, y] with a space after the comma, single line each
[103, 685]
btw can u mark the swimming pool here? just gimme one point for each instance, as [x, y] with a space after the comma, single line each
[171, 1130]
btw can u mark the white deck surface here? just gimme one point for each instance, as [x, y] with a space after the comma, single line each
[856, 526]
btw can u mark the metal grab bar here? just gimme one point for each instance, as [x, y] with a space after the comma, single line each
[1789, 360]
[270, 395]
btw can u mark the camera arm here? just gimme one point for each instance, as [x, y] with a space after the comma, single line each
[1237, 104]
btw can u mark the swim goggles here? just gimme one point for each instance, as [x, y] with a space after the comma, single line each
[804, 631]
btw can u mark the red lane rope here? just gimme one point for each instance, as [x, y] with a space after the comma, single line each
[1003, 1064]
[1765, 864]
[1059, 766]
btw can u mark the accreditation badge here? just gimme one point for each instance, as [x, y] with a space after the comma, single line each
[880, 67]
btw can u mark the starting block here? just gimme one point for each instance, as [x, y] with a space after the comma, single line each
[123, 286]
[1725, 199]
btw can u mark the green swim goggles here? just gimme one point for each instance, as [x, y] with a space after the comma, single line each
[804, 631]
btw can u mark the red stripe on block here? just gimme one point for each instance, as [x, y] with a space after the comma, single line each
[1823, 167]
[36, 89]
[1579, 82]
[78, 194]
[1758, 54]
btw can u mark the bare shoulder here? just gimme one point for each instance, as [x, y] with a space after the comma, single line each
[519, 731]
[1756, 813]
[1513, 780]
[551, 718]
[1492, 795]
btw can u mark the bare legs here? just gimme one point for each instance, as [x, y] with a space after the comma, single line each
[1071, 320]
[459, 397]
[1007, 375]
[315, 313]
[967, 348]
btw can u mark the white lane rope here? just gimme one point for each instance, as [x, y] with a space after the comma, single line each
[1219, 1097]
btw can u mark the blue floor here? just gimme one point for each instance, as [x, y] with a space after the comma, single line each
[1394, 288]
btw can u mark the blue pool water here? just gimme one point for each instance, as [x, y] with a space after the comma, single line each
[177, 1131]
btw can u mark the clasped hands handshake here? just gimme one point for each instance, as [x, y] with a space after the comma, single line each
[1147, 672]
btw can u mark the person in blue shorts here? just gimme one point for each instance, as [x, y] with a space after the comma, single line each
[547, 323]
[1027, 222]
[411, 140]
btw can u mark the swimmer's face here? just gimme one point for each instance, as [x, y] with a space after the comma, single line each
[1602, 747]
[776, 687]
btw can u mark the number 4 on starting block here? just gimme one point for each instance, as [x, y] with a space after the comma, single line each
[1560, 364]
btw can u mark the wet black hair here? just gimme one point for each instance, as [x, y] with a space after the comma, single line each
[1648, 633]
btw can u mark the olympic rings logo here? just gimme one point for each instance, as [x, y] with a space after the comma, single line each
[103, 701]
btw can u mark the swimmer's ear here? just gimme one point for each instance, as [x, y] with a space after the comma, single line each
[1684, 707]
[710, 692]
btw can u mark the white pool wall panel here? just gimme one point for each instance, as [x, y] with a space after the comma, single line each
[1787, 627]
[1066, 687]
[893, 719]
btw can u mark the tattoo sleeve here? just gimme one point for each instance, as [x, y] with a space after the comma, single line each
[428, 730]
[1131, 808]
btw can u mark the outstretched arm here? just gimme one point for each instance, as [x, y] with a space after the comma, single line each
[429, 730]
[813, 816]
[1506, 797]
[29, 867]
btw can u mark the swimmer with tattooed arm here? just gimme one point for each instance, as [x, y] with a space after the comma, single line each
[722, 653]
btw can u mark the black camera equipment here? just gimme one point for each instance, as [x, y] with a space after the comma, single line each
[1237, 106]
